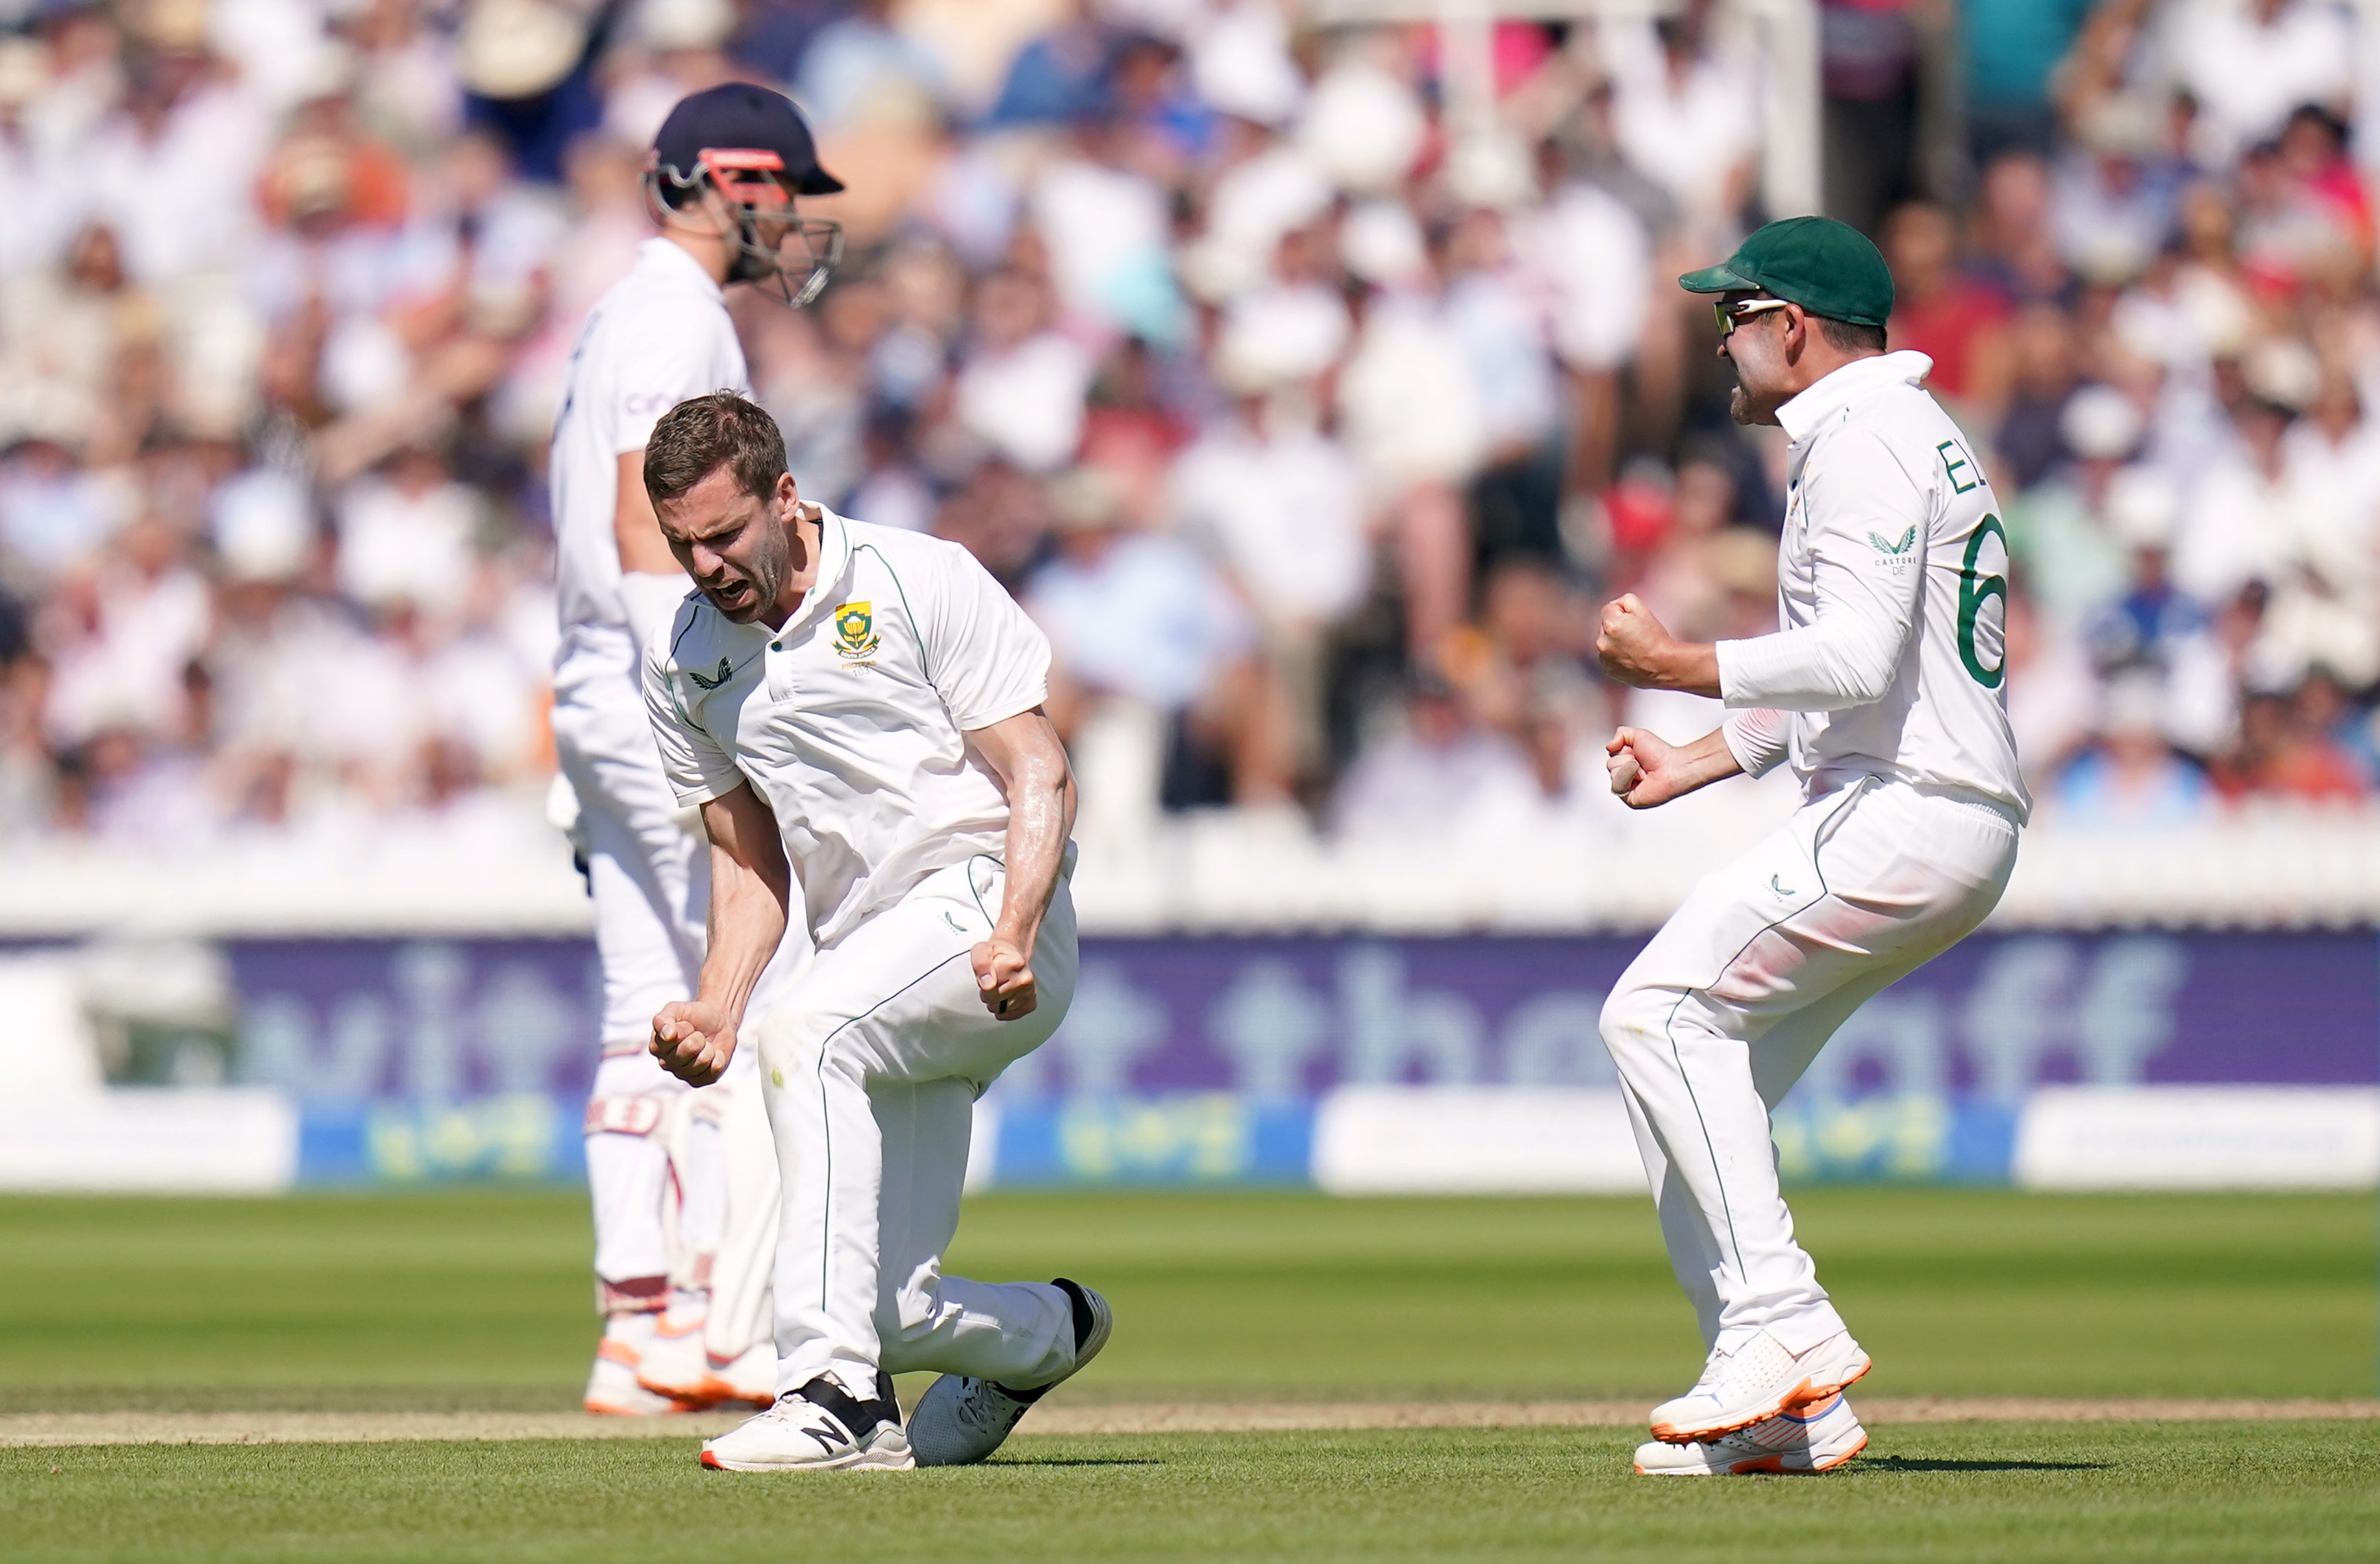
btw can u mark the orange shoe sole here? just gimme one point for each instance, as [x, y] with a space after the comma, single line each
[604, 1409]
[1801, 1395]
[709, 1395]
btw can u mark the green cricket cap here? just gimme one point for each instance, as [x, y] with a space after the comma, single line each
[1828, 268]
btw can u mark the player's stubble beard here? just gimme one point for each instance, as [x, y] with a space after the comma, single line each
[1743, 409]
[1740, 407]
[775, 552]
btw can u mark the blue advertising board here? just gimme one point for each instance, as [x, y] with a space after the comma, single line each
[1198, 1059]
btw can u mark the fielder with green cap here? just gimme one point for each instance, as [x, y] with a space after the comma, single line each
[1883, 691]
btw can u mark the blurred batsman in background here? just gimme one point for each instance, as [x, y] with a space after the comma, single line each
[683, 1190]
[1883, 691]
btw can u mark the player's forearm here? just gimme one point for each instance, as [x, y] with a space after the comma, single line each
[1707, 759]
[746, 924]
[1692, 666]
[635, 528]
[1040, 818]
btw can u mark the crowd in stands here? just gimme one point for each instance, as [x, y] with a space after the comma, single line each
[1313, 426]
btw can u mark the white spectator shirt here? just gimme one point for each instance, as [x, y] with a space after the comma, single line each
[1284, 512]
[2247, 75]
[1892, 590]
[1685, 130]
[657, 337]
[1027, 403]
[851, 720]
[1595, 262]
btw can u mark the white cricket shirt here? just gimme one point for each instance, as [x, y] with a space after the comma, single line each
[1893, 593]
[658, 336]
[851, 721]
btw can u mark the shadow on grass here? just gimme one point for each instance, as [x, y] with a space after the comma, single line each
[1923, 1463]
[1075, 1461]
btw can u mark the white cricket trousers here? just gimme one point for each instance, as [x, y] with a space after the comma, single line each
[872, 1064]
[1723, 1011]
[681, 1196]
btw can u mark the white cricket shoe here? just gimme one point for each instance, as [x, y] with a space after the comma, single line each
[960, 1420]
[612, 1387]
[674, 1364]
[1817, 1437]
[821, 1427]
[749, 1379]
[1756, 1382]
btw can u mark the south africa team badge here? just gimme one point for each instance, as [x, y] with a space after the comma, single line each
[855, 634]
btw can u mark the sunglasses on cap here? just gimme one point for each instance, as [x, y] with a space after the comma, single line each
[1730, 315]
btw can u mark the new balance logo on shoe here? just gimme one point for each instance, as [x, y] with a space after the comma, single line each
[820, 1427]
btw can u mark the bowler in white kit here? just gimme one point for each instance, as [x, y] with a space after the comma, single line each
[683, 1185]
[1883, 690]
[856, 710]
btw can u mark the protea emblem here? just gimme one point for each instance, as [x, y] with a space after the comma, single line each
[854, 632]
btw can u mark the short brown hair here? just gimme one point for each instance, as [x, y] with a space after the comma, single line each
[1850, 336]
[703, 435]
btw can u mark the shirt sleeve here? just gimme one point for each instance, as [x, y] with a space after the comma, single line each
[676, 356]
[1756, 739]
[1868, 527]
[697, 769]
[984, 656]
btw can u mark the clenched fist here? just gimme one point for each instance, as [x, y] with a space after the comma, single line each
[1004, 978]
[1648, 770]
[694, 1041]
[1632, 645]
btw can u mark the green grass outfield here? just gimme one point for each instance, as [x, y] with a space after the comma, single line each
[481, 1300]
[2264, 1493]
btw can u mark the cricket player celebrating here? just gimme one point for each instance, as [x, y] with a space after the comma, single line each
[1883, 691]
[856, 710]
[684, 1188]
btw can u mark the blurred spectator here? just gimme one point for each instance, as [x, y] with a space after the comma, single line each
[1952, 320]
[1869, 62]
[2011, 50]
[2030, 438]
[855, 59]
[1414, 423]
[2012, 246]
[28, 775]
[2287, 749]
[2241, 523]
[1439, 772]
[1686, 115]
[2248, 62]
[1279, 506]
[2115, 193]
[1142, 617]
[2058, 529]
[1060, 77]
[2130, 777]
[119, 634]
[1023, 386]
[2053, 695]
[53, 512]
[1313, 418]
[175, 163]
[1495, 321]
[407, 536]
